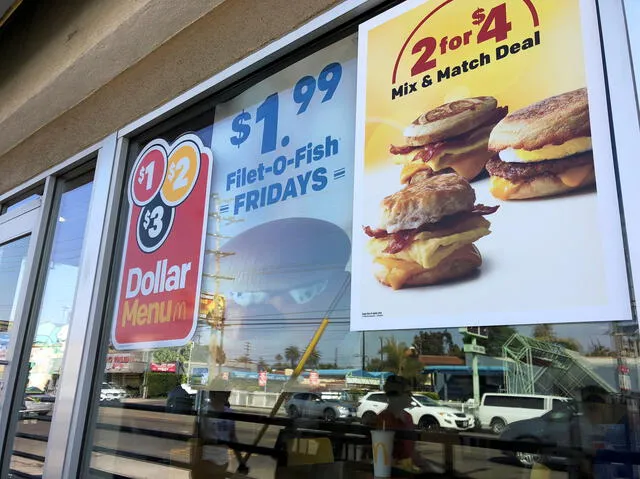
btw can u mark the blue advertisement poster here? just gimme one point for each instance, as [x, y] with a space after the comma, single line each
[279, 233]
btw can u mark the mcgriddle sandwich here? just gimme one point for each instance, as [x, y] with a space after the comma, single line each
[544, 149]
[451, 137]
[427, 232]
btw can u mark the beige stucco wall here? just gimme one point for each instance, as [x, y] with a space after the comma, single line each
[105, 64]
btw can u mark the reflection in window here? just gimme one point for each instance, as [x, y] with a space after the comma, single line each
[12, 262]
[52, 328]
[14, 205]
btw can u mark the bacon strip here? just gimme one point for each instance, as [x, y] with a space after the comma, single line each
[483, 210]
[401, 239]
[403, 150]
[377, 233]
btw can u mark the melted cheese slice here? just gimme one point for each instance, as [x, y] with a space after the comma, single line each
[411, 169]
[427, 249]
[397, 272]
[577, 176]
[436, 160]
[448, 156]
[502, 188]
[468, 163]
[548, 152]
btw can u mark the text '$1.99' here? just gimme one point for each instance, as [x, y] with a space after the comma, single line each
[267, 112]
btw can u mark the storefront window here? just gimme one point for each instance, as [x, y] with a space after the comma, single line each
[235, 339]
[47, 350]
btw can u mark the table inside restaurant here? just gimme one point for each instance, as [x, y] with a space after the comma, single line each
[348, 470]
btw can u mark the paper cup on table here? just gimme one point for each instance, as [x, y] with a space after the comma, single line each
[382, 444]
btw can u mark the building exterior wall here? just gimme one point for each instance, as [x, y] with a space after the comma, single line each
[99, 66]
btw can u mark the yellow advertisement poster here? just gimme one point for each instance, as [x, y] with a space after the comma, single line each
[485, 187]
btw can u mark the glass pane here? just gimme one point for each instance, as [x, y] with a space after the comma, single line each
[49, 343]
[17, 204]
[276, 265]
[13, 257]
[214, 386]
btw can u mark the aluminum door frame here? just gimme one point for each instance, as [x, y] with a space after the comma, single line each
[70, 410]
[24, 220]
[102, 155]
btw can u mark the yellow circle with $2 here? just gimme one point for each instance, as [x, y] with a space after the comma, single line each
[182, 173]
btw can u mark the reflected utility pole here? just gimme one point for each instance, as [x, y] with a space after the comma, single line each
[216, 310]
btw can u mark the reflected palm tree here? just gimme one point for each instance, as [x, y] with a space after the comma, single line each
[292, 354]
[314, 359]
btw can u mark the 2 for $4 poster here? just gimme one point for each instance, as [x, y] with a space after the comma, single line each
[510, 96]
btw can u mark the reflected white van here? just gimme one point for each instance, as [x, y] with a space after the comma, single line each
[497, 410]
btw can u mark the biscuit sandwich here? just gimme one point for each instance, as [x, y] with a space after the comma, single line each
[427, 232]
[450, 138]
[544, 149]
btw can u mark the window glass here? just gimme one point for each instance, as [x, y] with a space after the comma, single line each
[277, 263]
[22, 199]
[491, 401]
[50, 341]
[13, 258]
[530, 403]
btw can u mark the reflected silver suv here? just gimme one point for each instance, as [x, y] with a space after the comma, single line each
[111, 392]
[311, 405]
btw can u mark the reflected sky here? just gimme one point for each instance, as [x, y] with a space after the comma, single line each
[62, 277]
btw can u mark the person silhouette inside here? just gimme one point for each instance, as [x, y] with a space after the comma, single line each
[394, 417]
[610, 430]
[215, 433]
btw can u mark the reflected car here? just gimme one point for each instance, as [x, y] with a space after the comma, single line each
[426, 413]
[311, 405]
[110, 392]
[181, 400]
[37, 402]
[559, 427]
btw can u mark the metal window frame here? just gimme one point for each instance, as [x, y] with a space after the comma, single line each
[625, 120]
[19, 221]
[102, 244]
[68, 408]
[54, 179]
[23, 329]
[74, 421]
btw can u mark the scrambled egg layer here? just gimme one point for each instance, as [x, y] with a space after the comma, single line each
[548, 152]
[429, 249]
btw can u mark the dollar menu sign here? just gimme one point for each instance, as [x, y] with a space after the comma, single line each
[240, 127]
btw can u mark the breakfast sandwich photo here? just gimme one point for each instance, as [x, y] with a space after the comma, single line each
[427, 232]
[449, 138]
[543, 149]
[485, 187]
